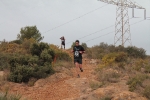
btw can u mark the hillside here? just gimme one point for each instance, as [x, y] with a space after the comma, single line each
[110, 73]
[63, 85]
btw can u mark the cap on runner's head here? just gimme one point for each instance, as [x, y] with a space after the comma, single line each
[77, 41]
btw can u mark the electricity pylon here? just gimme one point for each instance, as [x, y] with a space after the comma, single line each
[122, 27]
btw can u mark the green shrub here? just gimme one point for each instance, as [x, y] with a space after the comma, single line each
[6, 96]
[146, 92]
[103, 45]
[25, 73]
[45, 56]
[147, 68]
[33, 60]
[4, 60]
[63, 56]
[121, 65]
[135, 81]
[32, 81]
[25, 67]
[111, 76]
[120, 48]
[42, 71]
[121, 57]
[95, 85]
[18, 60]
[59, 54]
[21, 74]
[16, 41]
[98, 51]
[37, 48]
[66, 64]
[109, 59]
[43, 46]
[140, 63]
[84, 45]
[136, 52]
[51, 52]
[106, 98]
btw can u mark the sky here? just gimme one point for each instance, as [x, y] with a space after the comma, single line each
[86, 20]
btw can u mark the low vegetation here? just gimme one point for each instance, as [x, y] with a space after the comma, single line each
[27, 59]
[99, 51]
[95, 85]
[129, 63]
[136, 82]
[146, 92]
[7, 96]
[106, 98]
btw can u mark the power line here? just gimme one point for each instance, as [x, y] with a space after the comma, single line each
[106, 33]
[74, 19]
[97, 31]
[136, 22]
[122, 19]
[93, 33]
[111, 32]
[100, 36]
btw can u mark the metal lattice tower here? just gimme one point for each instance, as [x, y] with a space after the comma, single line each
[122, 27]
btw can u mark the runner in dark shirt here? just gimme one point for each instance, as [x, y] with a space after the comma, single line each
[78, 50]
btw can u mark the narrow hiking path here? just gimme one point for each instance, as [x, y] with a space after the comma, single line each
[63, 86]
[56, 87]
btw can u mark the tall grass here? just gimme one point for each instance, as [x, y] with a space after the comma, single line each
[6, 96]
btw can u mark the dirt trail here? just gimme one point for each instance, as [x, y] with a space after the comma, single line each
[61, 86]
[65, 88]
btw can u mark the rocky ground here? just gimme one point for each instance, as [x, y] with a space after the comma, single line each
[64, 86]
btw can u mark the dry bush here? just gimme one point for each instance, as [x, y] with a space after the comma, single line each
[146, 92]
[5, 95]
[106, 98]
[4, 57]
[121, 65]
[135, 82]
[139, 63]
[113, 58]
[98, 51]
[32, 81]
[147, 68]
[95, 84]
[111, 76]
[3, 77]
[60, 54]
[136, 52]
[64, 66]
[109, 59]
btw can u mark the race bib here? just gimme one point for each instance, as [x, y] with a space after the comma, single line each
[76, 53]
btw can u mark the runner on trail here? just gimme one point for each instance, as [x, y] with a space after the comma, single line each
[78, 50]
[62, 42]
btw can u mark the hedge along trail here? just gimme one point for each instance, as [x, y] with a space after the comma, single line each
[60, 55]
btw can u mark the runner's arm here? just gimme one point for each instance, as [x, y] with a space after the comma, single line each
[82, 50]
